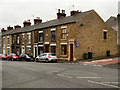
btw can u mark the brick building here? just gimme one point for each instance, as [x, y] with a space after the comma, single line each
[68, 37]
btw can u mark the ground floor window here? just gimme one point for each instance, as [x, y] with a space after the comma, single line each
[8, 50]
[18, 51]
[53, 49]
[64, 49]
[3, 50]
[29, 50]
[40, 50]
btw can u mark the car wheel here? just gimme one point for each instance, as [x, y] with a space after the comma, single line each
[36, 59]
[46, 60]
[12, 59]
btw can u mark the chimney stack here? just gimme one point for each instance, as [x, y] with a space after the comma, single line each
[17, 26]
[37, 20]
[3, 30]
[9, 28]
[27, 23]
[74, 12]
[59, 15]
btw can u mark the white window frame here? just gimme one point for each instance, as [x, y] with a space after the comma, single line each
[29, 37]
[41, 32]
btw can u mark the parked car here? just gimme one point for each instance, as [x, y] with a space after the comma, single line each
[26, 57]
[13, 57]
[3, 56]
[47, 57]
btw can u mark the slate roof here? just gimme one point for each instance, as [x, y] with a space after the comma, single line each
[113, 22]
[51, 23]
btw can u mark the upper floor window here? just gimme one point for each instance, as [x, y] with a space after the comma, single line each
[18, 41]
[40, 36]
[63, 34]
[29, 37]
[23, 36]
[8, 40]
[12, 39]
[3, 41]
[53, 35]
[105, 34]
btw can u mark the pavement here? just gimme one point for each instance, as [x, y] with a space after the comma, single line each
[103, 61]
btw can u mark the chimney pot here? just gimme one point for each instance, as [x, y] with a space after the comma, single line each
[9, 28]
[63, 11]
[59, 15]
[58, 10]
[3, 30]
[74, 12]
[17, 26]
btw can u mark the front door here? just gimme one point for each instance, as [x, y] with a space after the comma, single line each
[23, 49]
[40, 50]
[71, 51]
[35, 51]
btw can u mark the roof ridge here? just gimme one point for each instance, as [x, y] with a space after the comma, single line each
[54, 22]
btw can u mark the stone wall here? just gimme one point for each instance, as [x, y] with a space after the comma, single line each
[89, 33]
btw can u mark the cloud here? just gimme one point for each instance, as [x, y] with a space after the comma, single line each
[16, 11]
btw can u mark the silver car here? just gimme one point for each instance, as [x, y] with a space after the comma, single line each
[47, 57]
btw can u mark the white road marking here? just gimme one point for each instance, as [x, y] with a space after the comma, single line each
[68, 76]
[64, 76]
[85, 64]
[88, 77]
[52, 72]
[112, 82]
[60, 75]
[103, 84]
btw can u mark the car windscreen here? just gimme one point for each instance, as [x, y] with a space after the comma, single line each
[44, 54]
[4, 55]
[14, 55]
[51, 54]
[30, 55]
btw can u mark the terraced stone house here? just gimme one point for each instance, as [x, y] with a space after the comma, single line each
[69, 37]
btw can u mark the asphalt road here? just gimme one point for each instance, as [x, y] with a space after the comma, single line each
[17, 74]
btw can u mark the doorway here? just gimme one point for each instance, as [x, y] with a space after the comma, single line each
[71, 51]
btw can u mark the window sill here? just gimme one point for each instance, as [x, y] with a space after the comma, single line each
[29, 43]
[40, 42]
[63, 56]
[63, 39]
[53, 40]
[104, 40]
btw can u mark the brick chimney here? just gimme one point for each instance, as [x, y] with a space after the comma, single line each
[26, 23]
[3, 30]
[37, 20]
[9, 28]
[74, 12]
[59, 15]
[17, 26]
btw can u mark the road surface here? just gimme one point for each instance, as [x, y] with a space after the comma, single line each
[17, 74]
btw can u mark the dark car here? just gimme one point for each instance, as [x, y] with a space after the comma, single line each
[13, 57]
[3, 56]
[27, 57]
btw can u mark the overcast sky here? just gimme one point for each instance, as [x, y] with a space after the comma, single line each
[14, 12]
